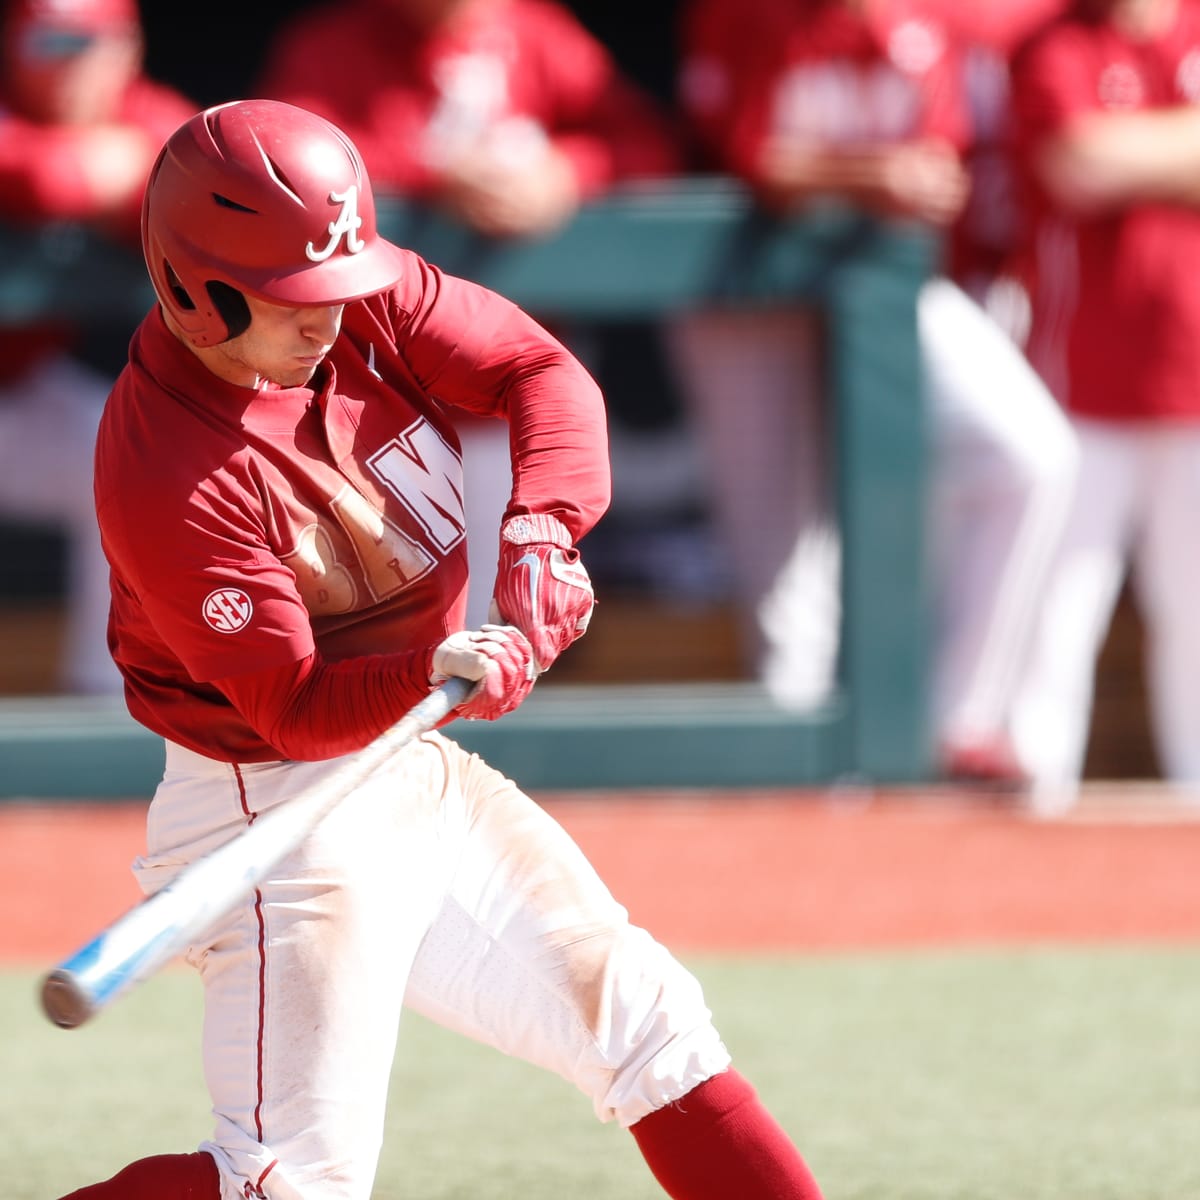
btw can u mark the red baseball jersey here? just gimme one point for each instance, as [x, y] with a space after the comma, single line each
[518, 71]
[814, 69]
[1116, 330]
[41, 182]
[248, 529]
[999, 26]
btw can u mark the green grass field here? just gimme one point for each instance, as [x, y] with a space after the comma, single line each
[1044, 1074]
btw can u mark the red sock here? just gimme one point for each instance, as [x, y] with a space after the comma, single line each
[164, 1177]
[719, 1143]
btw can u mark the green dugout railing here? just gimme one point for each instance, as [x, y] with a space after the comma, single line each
[641, 253]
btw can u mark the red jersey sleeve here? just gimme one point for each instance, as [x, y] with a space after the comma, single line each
[310, 710]
[1053, 81]
[40, 175]
[474, 349]
[748, 68]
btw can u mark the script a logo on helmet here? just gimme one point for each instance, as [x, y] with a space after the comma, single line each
[348, 223]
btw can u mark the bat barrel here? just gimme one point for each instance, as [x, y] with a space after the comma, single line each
[65, 1002]
[129, 950]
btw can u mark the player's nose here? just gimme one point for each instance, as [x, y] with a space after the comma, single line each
[322, 323]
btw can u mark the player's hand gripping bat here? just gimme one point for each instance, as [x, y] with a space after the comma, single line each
[161, 927]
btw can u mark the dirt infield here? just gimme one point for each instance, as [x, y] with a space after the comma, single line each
[752, 871]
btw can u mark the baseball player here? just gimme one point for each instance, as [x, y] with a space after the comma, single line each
[860, 102]
[280, 496]
[1108, 115]
[80, 125]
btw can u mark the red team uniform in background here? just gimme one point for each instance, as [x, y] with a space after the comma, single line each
[514, 72]
[1116, 334]
[806, 102]
[41, 182]
[1118, 307]
[816, 69]
[80, 124]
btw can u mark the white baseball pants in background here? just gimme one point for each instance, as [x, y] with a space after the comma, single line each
[1002, 460]
[1137, 504]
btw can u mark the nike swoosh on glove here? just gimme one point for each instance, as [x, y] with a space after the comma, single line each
[499, 657]
[541, 586]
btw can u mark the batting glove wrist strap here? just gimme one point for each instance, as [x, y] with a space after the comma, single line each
[526, 530]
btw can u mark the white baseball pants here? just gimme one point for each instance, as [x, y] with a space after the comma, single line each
[438, 885]
[1003, 462]
[1136, 504]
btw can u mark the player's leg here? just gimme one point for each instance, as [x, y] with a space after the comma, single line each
[752, 383]
[1168, 583]
[1003, 467]
[1052, 710]
[303, 985]
[532, 954]
[163, 1177]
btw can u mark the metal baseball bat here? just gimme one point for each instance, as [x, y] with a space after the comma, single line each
[149, 935]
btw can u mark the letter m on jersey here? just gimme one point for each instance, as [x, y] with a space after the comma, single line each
[421, 470]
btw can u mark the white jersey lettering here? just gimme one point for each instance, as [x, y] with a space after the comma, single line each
[421, 470]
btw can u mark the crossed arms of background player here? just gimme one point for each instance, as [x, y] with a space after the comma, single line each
[1093, 161]
[739, 91]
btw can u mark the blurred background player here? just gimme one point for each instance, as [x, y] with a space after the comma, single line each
[80, 126]
[862, 103]
[505, 114]
[1108, 108]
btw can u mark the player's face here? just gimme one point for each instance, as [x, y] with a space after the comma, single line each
[58, 77]
[283, 345]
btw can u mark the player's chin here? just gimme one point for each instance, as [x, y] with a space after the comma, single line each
[295, 373]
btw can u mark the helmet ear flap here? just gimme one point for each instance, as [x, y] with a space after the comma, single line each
[230, 304]
[231, 307]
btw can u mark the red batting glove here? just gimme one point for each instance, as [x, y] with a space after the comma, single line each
[499, 657]
[541, 586]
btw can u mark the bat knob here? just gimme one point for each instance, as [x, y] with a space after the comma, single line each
[65, 1002]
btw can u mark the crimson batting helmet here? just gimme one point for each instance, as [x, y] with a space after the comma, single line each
[262, 197]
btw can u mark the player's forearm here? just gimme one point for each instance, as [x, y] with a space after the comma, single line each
[312, 709]
[560, 441]
[798, 173]
[1102, 162]
[920, 179]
